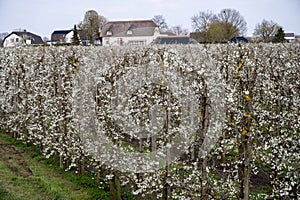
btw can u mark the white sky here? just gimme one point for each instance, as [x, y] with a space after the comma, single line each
[44, 16]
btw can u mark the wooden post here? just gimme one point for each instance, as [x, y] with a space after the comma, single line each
[203, 158]
[154, 142]
[112, 188]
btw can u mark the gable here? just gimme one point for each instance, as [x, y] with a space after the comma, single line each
[22, 37]
[11, 35]
[11, 40]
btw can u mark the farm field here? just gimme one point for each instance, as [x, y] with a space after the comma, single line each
[155, 122]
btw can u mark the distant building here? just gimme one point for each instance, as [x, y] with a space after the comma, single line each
[19, 38]
[239, 39]
[66, 37]
[62, 36]
[130, 32]
[174, 40]
[290, 37]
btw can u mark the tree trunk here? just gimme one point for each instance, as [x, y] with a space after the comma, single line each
[204, 183]
[246, 83]
[80, 167]
[99, 177]
[118, 187]
[167, 189]
[61, 161]
[244, 168]
[154, 142]
[112, 188]
[203, 132]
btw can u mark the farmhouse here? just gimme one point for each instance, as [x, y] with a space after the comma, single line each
[290, 37]
[18, 38]
[66, 37]
[62, 36]
[131, 32]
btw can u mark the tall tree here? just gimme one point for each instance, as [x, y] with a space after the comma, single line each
[200, 23]
[160, 21]
[202, 20]
[279, 36]
[221, 32]
[218, 28]
[233, 17]
[91, 25]
[266, 30]
[75, 38]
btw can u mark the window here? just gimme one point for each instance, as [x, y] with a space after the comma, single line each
[137, 42]
[120, 41]
[129, 32]
[17, 39]
[108, 33]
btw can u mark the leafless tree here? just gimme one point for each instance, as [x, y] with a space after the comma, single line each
[102, 21]
[266, 30]
[178, 30]
[202, 20]
[232, 16]
[160, 21]
[221, 27]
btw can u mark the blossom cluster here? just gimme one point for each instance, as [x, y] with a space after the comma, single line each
[90, 105]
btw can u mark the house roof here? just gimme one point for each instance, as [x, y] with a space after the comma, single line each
[289, 35]
[239, 39]
[35, 39]
[59, 35]
[61, 32]
[137, 28]
[173, 40]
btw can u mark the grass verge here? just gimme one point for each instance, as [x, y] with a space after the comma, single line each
[24, 174]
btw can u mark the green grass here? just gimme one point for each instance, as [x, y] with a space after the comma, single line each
[25, 174]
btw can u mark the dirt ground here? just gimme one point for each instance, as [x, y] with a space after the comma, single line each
[14, 158]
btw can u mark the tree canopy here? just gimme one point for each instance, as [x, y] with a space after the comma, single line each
[91, 25]
[221, 32]
[279, 36]
[75, 38]
[266, 30]
[219, 27]
[233, 17]
[160, 21]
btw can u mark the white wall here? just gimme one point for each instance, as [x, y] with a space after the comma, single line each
[130, 40]
[290, 39]
[69, 36]
[13, 40]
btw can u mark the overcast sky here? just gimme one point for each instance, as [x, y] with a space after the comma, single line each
[44, 16]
